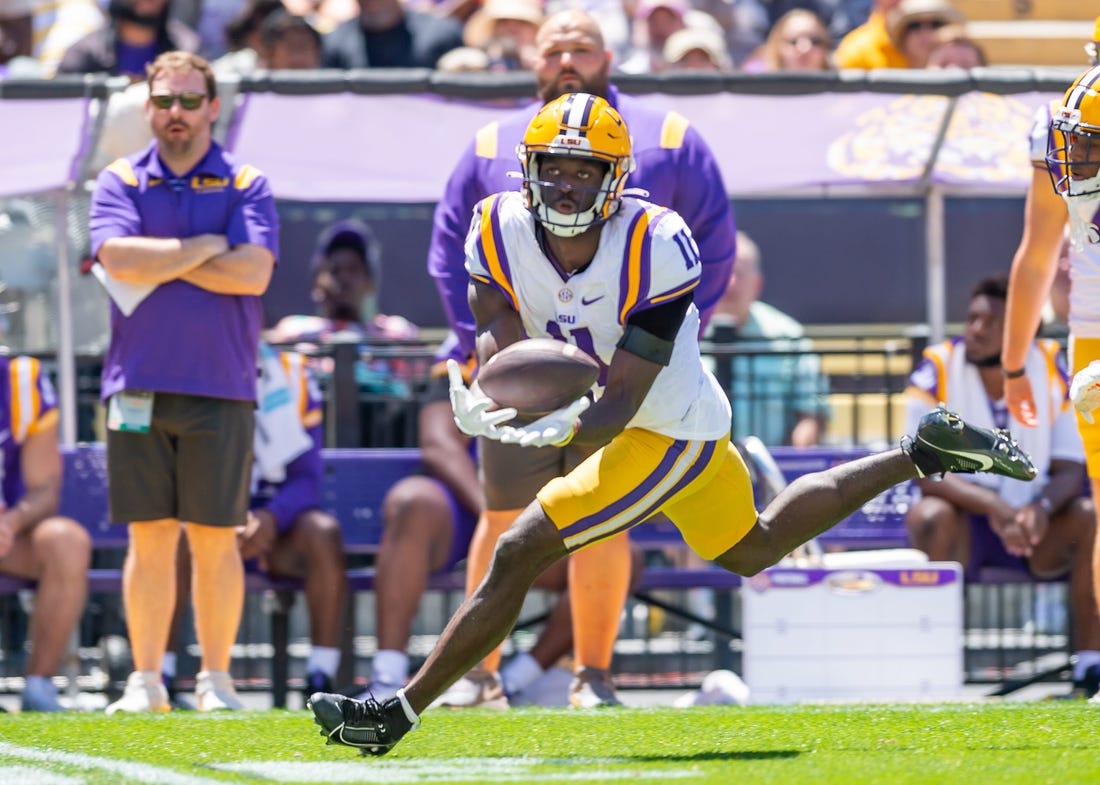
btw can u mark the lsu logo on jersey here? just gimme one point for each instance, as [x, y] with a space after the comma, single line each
[206, 184]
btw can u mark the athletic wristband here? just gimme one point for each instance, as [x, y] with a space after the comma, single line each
[568, 437]
[1013, 374]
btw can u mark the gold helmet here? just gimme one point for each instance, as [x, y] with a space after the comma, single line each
[581, 126]
[1074, 150]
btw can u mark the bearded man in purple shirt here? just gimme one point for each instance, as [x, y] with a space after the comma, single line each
[678, 170]
[185, 240]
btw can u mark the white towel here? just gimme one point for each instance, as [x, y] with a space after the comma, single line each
[127, 296]
[280, 436]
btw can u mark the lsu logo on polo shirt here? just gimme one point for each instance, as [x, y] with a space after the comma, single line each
[207, 184]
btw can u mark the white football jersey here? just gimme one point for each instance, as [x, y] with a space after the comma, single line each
[1084, 228]
[646, 257]
[1084, 260]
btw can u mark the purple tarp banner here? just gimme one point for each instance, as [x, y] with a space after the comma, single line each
[346, 147]
[40, 143]
[987, 140]
[401, 148]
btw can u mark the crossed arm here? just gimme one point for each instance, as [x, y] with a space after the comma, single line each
[205, 260]
[1021, 528]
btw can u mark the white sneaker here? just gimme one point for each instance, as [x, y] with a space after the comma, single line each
[479, 689]
[592, 688]
[144, 692]
[214, 692]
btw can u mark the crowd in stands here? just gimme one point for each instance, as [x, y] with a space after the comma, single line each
[42, 38]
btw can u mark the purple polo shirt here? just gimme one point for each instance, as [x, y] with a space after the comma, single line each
[29, 403]
[674, 165]
[182, 338]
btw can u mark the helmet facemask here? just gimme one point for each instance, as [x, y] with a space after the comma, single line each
[1074, 160]
[576, 125]
[605, 203]
[1074, 144]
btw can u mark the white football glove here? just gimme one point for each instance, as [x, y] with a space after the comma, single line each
[556, 429]
[1084, 391]
[471, 409]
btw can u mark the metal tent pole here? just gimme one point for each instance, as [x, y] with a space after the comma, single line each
[66, 356]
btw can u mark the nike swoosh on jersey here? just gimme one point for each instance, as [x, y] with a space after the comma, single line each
[984, 461]
[593, 300]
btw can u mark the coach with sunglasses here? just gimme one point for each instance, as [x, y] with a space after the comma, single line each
[185, 241]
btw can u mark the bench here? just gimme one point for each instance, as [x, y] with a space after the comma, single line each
[355, 482]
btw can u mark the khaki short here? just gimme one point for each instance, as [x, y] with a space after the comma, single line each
[194, 464]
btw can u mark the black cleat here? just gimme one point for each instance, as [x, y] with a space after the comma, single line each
[945, 443]
[373, 728]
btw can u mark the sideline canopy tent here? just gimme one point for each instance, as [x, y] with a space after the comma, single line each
[44, 134]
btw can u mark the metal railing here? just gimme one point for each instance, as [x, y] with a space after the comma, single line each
[373, 390]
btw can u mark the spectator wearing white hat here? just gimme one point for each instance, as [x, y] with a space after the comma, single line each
[696, 49]
[505, 30]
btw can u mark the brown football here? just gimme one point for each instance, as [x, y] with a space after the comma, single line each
[537, 376]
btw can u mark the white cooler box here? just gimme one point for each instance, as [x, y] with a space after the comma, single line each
[881, 633]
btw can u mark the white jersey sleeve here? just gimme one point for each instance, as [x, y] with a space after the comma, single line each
[498, 226]
[664, 259]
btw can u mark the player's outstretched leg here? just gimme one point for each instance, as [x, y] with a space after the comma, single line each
[815, 502]
[522, 553]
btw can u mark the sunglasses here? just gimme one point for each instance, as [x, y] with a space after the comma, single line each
[925, 24]
[188, 101]
[815, 41]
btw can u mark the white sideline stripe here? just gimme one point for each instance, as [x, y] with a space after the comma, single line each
[25, 775]
[447, 770]
[138, 772]
[396, 771]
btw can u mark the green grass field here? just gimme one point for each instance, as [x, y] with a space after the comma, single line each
[1026, 743]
